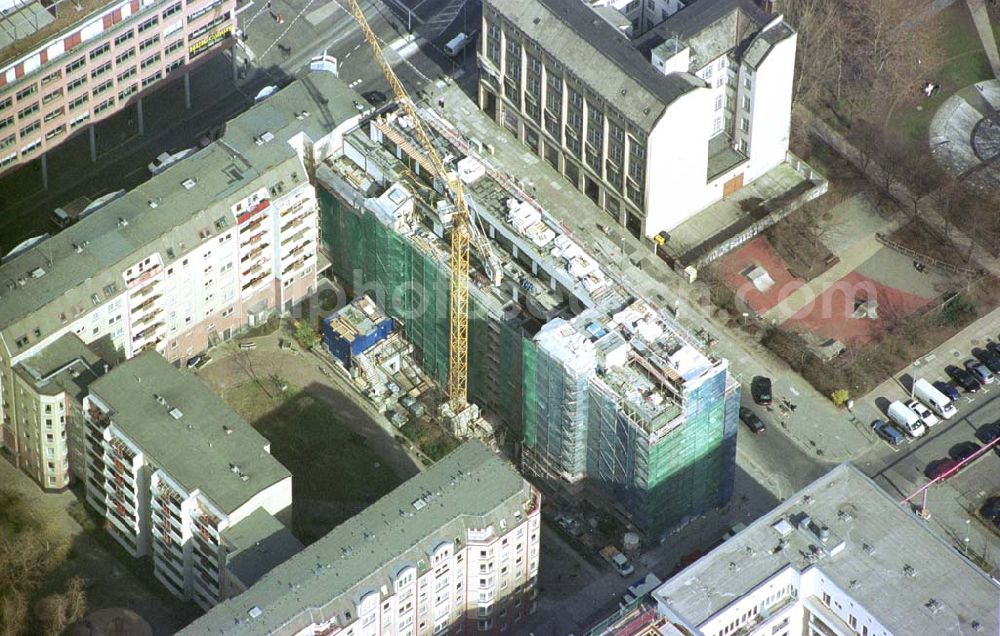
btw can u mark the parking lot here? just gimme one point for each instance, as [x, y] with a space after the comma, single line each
[953, 502]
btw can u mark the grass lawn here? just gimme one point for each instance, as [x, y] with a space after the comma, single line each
[335, 474]
[962, 62]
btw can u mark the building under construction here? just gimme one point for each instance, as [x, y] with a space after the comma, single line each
[604, 390]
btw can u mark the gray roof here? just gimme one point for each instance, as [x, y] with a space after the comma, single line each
[197, 449]
[65, 365]
[764, 42]
[257, 544]
[226, 171]
[21, 24]
[599, 55]
[710, 28]
[859, 513]
[471, 487]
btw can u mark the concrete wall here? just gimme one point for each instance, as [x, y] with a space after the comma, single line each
[770, 117]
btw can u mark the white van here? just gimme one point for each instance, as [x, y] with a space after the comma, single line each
[456, 44]
[907, 420]
[936, 400]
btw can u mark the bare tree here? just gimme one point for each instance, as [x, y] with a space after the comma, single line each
[56, 612]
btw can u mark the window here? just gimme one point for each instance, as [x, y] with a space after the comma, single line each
[125, 56]
[56, 113]
[146, 81]
[77, 83]
[53, 95]
[746, 103]
[5, 104]
[575, 98]
[706, 74]
[149, 61]
[126, 74]
[28, 111]
[173, 46]
[101, 70]
[124, 37]
[7, 141]
[55, 132]
[718, 102]
[27, 91]
[76, 121]
[172, 9]
[149, 24]
[173, 66]
[99, 51]
[717, 125]
[30, 128]
[54, 75]
[75, 65]
[148, 42]
[747, 82]
[826, 599]
[105, 105]
[102, 87]
[745, 124]
[79, 101]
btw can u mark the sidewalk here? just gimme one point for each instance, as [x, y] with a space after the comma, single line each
[813, 427]
[981, 18]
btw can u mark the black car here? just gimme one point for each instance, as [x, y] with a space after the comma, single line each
[963, 451]
[991, 509]
[962, 378]
[374, 97]
[760, 390]
[989, 432]
[994, 347]
[988, 358]
[750, 418]
[198, 361]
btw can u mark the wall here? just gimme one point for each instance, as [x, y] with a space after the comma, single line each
[675, 181]
[771, 101]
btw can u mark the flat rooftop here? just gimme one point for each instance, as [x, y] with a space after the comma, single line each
[82, 267]
[66, 365]
[31, 24]
[890, 562]
[472, 488]
[257, 544]
[188, 431]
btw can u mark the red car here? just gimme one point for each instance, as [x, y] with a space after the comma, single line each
[942, 469]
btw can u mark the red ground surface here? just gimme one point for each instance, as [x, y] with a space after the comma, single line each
[830, 314]
[760, 253]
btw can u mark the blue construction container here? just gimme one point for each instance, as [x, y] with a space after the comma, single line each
[355, 329]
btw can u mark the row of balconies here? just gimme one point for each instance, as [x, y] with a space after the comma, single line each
[253, 239]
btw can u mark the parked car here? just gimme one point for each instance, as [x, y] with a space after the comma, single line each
[962, 378]
[750, 418]
[988, 358]
[926, 416]
[988, 432]
[941, 469]
[760, 389]
[572, 527]
[964, 450]
[994, 347]
[888, 432]
[198, 361]
[991, 509]
[904, 418]
[979, 371]
[948, 389]
[374, 97]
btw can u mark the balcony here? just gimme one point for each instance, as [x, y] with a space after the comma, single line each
[253, 239]
[148, 317]
[294, 266]
[139, 293]
[97, 416]
[293, 224]
[256, 281]
[146, 304]
[255, 252]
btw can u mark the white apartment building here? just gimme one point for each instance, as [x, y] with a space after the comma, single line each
[172, 468]
[839, 558]
[653, 128]
[454, 550]
[214, 244]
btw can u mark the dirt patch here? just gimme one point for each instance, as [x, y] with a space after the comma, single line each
[915, 235]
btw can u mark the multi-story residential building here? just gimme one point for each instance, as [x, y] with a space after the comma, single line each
[217, 242]
[47, 390]
[601, 387]
[172, 468]
[839, 558]
[66, 65]
[654, 128]
[453, 550]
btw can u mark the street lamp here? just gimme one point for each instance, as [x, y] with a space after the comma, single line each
[967, 523]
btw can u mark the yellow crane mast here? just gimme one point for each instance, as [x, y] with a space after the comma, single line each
[461, 231]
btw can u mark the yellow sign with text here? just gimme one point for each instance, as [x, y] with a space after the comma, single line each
[212, 38]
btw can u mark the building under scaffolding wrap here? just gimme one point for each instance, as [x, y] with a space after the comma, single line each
[604, 390]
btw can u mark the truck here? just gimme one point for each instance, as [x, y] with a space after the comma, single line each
[617, 560]
[456, 44]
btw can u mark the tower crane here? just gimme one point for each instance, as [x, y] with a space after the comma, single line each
[463, 231]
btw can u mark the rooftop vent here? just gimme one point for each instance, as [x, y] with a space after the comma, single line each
[153, 204]
[228, 430]
[160, 399]
[302, 115]
[869, 549]
[38, 272]
[77, 248]
[807, 499]
[419, 504]
[934, 605]
[264, 138]
[255, 612]
[805, 522]
[782, 527]
[189, 183]
[176, 413]
[122, 222]
[909, 570]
